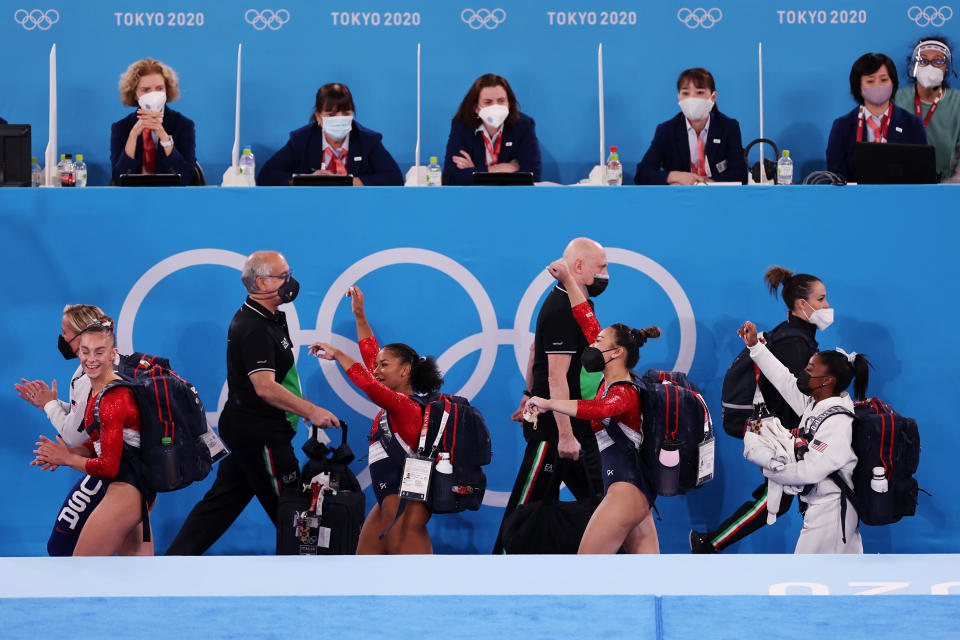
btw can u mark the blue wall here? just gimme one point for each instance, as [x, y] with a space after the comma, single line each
[550, 62]
[163, 262]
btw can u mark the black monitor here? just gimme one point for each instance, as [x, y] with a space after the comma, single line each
[322, 180]
[503, 179]
[15, 165]
[894, 163]
[150, 180]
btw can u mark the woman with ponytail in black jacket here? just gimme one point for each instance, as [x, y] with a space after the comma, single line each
[792, 342]
[623, 518]
[389, 376]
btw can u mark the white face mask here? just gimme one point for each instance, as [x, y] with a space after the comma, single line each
[696, 108]
[930, 77]
[494, 115]
[153, 101]
[337, 127]
[822, 318]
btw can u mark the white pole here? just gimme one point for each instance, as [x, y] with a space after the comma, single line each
[763, 173]
[603, 165]
[416, 152]
[50, 156]
[236, 118]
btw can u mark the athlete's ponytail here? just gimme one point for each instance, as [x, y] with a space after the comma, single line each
[425, 377]
[846, 369]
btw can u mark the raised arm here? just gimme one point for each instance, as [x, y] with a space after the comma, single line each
[774, 370]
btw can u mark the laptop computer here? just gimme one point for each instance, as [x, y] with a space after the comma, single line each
[894, 163]
[322, 180]
[503, 179]
[150, 180]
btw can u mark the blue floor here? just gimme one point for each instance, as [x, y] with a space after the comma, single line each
[475, 617]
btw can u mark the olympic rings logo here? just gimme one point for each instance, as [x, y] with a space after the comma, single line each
[929, 15]
[483, 18]
[261, 20]
[699, 17]
[36, 19]
[487, 341]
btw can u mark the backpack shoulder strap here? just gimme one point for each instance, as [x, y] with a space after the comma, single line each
[846, 495]
[813, 424]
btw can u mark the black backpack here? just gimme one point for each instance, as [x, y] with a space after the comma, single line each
[324, 518]
[881, 438]
[173, 423]
[456, 428]
[740, 382]
[676, 419]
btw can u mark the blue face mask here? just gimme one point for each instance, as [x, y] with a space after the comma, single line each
[337, 127]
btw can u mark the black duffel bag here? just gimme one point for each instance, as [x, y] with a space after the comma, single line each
[550, 525]
[324, 519]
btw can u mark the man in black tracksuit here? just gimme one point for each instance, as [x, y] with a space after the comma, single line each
[554, 371]
[264, 407]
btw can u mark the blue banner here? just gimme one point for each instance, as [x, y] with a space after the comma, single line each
[547, 51]
[460, 274]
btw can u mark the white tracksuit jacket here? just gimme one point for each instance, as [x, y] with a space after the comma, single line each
[830, 450]
[67, 417]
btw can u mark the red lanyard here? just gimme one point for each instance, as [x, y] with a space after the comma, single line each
[879, 132]
[700, 168]
[492, 151]
[933, 107]
[339, 166]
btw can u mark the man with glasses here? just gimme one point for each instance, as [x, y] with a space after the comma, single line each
[264, 406]
[936, 104]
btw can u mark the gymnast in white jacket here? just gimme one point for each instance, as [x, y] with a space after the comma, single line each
[818, 390]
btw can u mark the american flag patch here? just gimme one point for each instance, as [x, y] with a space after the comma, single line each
[819, 445]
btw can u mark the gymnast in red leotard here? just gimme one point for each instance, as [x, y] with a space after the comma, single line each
[390, 377]
[623, 518]
[114, 526]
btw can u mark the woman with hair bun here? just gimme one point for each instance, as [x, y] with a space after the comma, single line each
[829, 524]
[390, 377]
[792, 342]
[623, 518]
[154, 138]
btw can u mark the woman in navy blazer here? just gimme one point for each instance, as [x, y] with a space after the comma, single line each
[489, 133]
[333, 143]
[873, 82]
[173, 140]
[671, 158]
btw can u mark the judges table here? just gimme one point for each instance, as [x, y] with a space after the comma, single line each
[459, 273]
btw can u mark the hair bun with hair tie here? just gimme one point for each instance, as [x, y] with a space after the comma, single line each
[422, 359]
[639, 336]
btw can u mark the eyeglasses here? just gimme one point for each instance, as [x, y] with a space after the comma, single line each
[939, 62]
[282, 276]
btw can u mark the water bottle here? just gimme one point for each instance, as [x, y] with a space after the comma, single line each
[248, 167]
[169, 463]
[785, 168]
[614, 169]
[668, 469]
[36, 173]
[60, 165]
[67, 176]
[879, 481]
[80, 171]
[443, 464]
[434, 176]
